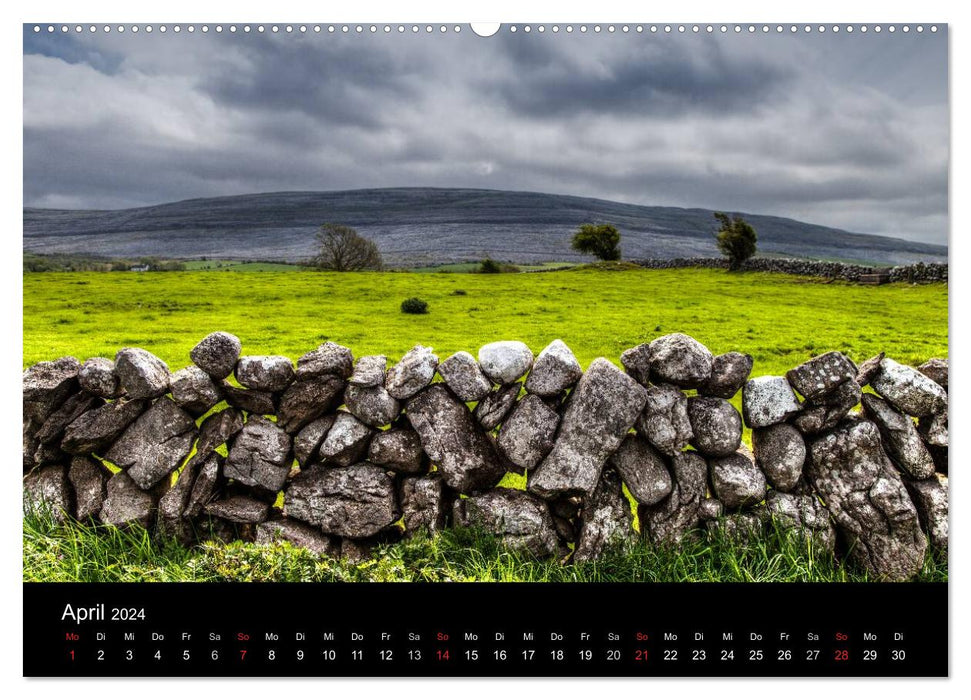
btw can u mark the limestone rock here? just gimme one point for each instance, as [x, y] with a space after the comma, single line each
[505, 361]
[601, 409]
[868, 501]
[780, 453]
[413, 373]
[216, 354]
[768, 400]
[454, 441]
[249, 400]
[89, 480]
[218, 429]
[736, 481]
[664, 420]
[715, 425]
[711, 509]
[328, 359]
[729, 372]
[936, 369]
[239, 509]
[805, 515]
[908, 390]
[527, 435]
[933, 429]
[423, 504]
[900, 438]
[930, 497]
[52, 430]
[260, 455]
[47, 385]
[47, 493]
[398, 450]
[194, 391]
[95, 430]
[370, 370]
[637, 363]
[464, 377]
[669, 522]
[680, 360]
[126, 504]
[737, 528]
[521, 521]
[346, 442]
[821, 374]
[264, 372]
[142, 375]
[356, 501]
[171, 520]
[556, 368]
[606, 519]
[868, 369]
[643, 469]
[308, 399]
[98, 377]
[372, 405]
[205, 484]
[825, 412]
[299, 535]
[154, 445]
[308, 441]
[493, 409]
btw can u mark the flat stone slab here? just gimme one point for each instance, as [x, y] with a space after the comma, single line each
[644, 470]
[464, 377]
[606, 519]
[768, 400]
[205, 486]
[601, 409]
[505, 361]
[76, 405]
[100, 427]
[821, 374]
[356, 501]
[901, 440]
[664, 421]
[328, 359]
[908, 390]
[716, 426]
[521, 522]
[249, 400]
[260, 455]
[239, 509]
[299, 535]
[556, 369]
[89, 480]
[265, 372]
[142, 374]
[154, 445]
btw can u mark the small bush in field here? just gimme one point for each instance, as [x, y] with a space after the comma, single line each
[414, 305]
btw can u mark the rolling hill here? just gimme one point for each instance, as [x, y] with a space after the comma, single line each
[421, 226]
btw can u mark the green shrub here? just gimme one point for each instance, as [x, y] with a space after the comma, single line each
[414, 305]
[490, 267]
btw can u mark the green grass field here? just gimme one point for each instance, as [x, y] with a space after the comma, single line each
[780, 320]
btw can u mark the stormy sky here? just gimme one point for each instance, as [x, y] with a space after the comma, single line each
[846, 130]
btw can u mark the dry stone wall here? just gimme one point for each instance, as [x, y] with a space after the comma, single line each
[338, 453]
[916, 273]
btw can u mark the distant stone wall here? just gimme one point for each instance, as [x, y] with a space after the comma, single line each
[917, 273]
[337, 455]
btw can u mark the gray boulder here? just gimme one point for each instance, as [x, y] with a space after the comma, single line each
[729, 372]
[308, 399]
[89, 481]
[194, 391]
[97, 429]
[125, 504]
[328, 359]
[464, 377]
[868, 501]
[249, 400]
[299, 535]
[556, 369]
[356, 501]
[825, 412]
[600, 411]
[48, 493]
[372, 405]
[908, 390]
[505, 361]
[398, 450]
[820, 375]
[154, 445]
[736, 481]
[98, 377]
[521, 521]
[216, 354]
[413, 373]
[669, 521]
[936, 369]
[218, 429]
[171, 520]
[52, 430]
[260, 455]
[606, 519]
[454, 441]
[239, 509]
[768, 400]
[934, 430]
[637, 363]
[265, 372]
[346, 442]
[370, 370]
[423, 504]
[205, 485]
[643, 469]
[142, 375]
[527, 435]
[900, 438]
[780, 453]
[711, 509]
[680, 360]
[494, 408]
[930, 497]
[47, 385]
[805, 516]
[715, 425]
[664, 421]
[868, 369]
[308, 440]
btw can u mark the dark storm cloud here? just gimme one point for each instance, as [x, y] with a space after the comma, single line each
[844, 131]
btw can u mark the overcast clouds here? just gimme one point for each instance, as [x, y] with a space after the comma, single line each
[843, 130]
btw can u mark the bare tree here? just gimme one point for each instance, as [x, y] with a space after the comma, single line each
[342, 249]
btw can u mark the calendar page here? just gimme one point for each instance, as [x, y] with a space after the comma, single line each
[604, 349]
